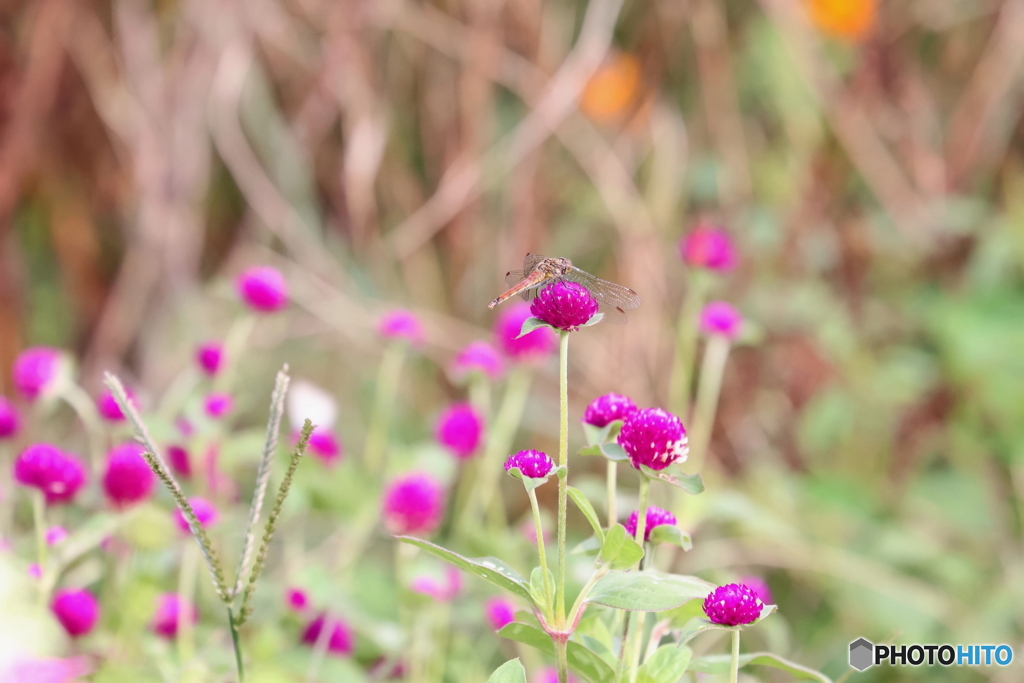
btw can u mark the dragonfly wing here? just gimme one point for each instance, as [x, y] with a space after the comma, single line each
[514, 277]
[615, 296]
[531, 261]
[612, 313]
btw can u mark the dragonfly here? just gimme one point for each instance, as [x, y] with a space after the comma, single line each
[612, 299]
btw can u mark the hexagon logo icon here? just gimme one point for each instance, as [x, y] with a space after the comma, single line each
[861, 654]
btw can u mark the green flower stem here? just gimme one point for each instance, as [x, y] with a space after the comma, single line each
[635, 631]
[39, 521]
[388, 375]
[439, 654]
[177, 393]
[562, 660]
[613, 471]
[578, 605]
[236, 645]
[563, 478]
[234, 344]
[186, 592]
[713, 367]
[541, 553]
[686, 344]
[480, 395]
[83, 405]
[499, 442]
[734, 668]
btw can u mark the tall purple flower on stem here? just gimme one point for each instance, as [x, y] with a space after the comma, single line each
[708, 246]
[608, 408]
[205, 511]
[721, 318]
[128, 479]
[655, 517]
[340, 640]
[57, 474]
[169, 611]
[413, 504]
[263, 289]
[500, 612]
[564, 305]
[653, 437]
[36, 371]
[401, 324]
[218, 404]
[460, 430]
[9, 420]
[535, 345]
[477, 356]
[732, 605]
[76, 610]
[210, 357]
[532, 464]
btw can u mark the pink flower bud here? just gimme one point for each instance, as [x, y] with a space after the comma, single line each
[655, 517]
[532, 464]
[108, 408]
[608, 408]
[45, 467]
[478, 356]
[128, 479]
[9, 420]
[36, 371]
[732, 605]
[340, 640]
[413, 504]
[55, 534]
[460, 430]
[564, 305]
[166, 617]
[206, 513]
[719, 317]
[263, 289]
[402, 324]
[500, 612]
[218, 404]
[209, 357]
[708, 246]
[179, 460]
[76, 610]
[296, 599]
[535, 345]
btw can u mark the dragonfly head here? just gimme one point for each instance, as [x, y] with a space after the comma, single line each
[561, 266]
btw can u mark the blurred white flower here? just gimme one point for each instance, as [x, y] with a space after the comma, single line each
[308, 401]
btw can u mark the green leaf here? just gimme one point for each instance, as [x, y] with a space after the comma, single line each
[699, 625]
[670, 533]
[529, 482]
[667, 663]
[588, 511]
[537, 587]
[611, 451]
[511, 671]
[619, 550]
[691, 483]
[647, 591]
[599, 435]
[531, 324]
[582, 661]
[488, 568]
[719, 664]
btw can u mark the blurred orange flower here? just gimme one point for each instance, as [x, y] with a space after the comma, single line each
[613, 90]
[847, 19]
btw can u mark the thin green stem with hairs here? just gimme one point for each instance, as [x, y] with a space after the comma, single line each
[635, 631]
[734, 667]
[388, 374]
[563, 491]
[541, 552]
[686, 344]
[716, 352]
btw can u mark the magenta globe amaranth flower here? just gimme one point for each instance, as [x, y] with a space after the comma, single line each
[535, 345]
[205, 511]
[169, 611]
[403, 325]
[296, 599]
[210, 357]
[760, 587]
[732, 605]
[339, 641]
[108, 408]
[500, 612]
[179, 461]
[460, 430]
[57, 474]
[218, 404]
[478, 356]
[442, 591]
[128, 479]
[323, 444]
[532, 464]
[608, 408]
[708, 246]
[263, 289]
[55, 535]
[76, 610]
[653, 437]
[655, 517]
[36, 371]
[564, 305]
[413, 504]
[9, 420]
[721, 318]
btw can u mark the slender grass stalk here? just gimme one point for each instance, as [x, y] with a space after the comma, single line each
[712, 369]
[613, 513]
[388, 374]
[236, 645]
[635, 631]
[541, 552]
[734, 668]
[262, 474]
[563, 478]
[245, 611]
[686, 344]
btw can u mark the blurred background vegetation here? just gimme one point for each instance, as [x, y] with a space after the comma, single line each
[868, 455]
